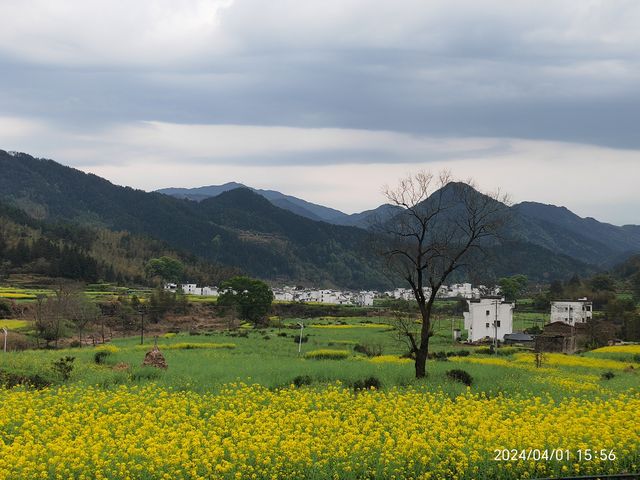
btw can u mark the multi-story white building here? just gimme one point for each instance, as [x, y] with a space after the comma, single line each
[490, 317]
[571, 312]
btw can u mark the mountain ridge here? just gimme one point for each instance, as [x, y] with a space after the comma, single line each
[240, 228]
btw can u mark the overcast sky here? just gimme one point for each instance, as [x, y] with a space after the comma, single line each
[330, 100]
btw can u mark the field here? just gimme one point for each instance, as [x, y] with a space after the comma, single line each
[245, 404]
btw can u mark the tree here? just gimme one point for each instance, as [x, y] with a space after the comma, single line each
[443, 227]
[556, 290]
[81, 312]
[512, 287]
[602, 283]
[252, 298]
[166, 268]
[635, 286]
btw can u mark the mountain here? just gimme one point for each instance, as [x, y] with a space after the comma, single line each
[200, 193]
[246, 229]
[369, 217]
[81, 252]
[287, 202]
[296, 205]
[237, 228]
[585, 239]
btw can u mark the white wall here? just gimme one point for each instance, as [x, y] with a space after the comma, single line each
[571, 312]
[479, 320]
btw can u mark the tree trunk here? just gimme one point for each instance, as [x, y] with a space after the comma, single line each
[421, 363]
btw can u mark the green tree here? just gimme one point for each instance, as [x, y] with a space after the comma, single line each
[512, 287]
[252, 298]
[166, 268]
[635, 286]
[602, 283]
[556, 290]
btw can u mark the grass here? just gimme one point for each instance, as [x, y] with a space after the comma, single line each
[205, 363]
[14, 324]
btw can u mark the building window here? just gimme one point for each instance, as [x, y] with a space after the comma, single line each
[487, 324]
[498, 323]
[488, 313]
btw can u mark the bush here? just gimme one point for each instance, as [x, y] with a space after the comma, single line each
[502, 351]
[367, 384]
[440, 356]
[369, 350]
[301, 380]
[282, 334]
[459, 353]
[63, 367]
[10, 380]
[296, 339]
[608, 375]
[460, 376]
[326, 354]
[100, 356]
[75, 344]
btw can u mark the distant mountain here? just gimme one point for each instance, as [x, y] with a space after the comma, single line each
[278, 237]
[296, 205]
[200, 193]
[369, 217]
[586, 239]
[288, 202]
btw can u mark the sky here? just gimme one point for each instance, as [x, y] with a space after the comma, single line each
[332, 100]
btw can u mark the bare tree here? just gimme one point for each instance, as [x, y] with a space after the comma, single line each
[443, 226]
[82, 311]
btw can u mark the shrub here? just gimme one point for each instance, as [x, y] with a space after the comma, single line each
[75, 344]
[608, 375]
[301, 380]
[169, 335]
[440, 356]
[369, 350]
[459, 353]
[10, 380]
[100, 356]
[367, 384]
[63, 367]
[305, 339]
[501, 350]
[107, 348]
[282, 334]
[461, 376]
[327, 354]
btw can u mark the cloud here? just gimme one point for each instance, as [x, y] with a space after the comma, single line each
[252, 91]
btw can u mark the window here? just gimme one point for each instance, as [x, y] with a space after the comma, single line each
[488, 312]
[487, 324]
[498, 323]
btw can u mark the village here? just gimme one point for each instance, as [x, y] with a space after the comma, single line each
[488, 318]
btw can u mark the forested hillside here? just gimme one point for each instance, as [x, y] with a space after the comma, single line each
[241, 230]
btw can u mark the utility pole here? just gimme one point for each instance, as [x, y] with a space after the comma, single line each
[141, 327]
[300, 338]
[495, 328]
[6, 332]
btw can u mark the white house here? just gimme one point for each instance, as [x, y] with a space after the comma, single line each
[190, 288]
[490, 317]
[571, 312]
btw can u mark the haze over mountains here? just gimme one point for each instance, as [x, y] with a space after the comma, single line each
[285, 239]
